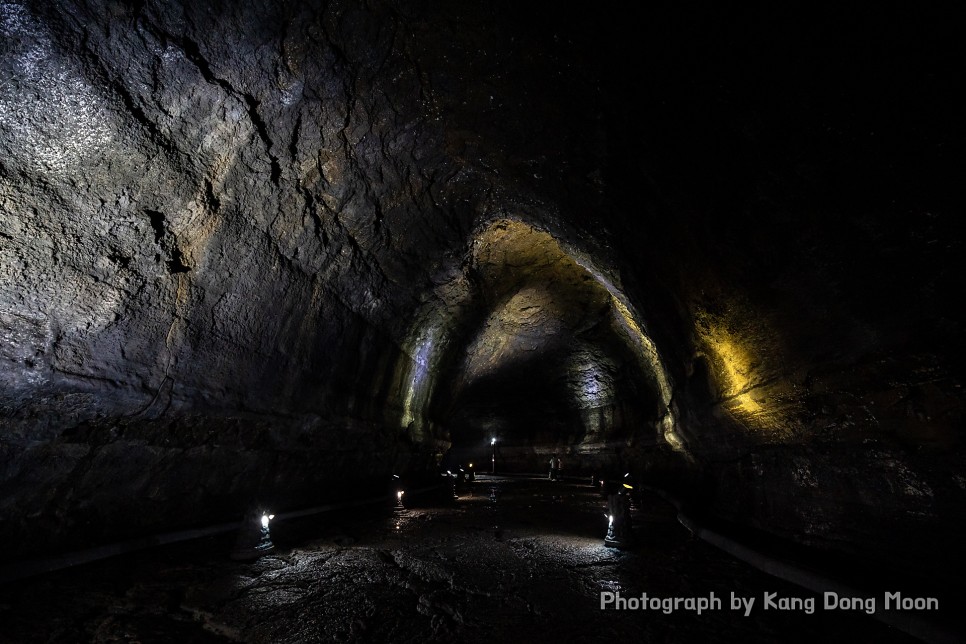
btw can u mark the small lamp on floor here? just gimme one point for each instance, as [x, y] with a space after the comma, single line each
[398, 492]
[254, 537]
[618, 516]
[449, 487]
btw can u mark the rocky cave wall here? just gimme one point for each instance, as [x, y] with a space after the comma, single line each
[254, 251]
[217, 221]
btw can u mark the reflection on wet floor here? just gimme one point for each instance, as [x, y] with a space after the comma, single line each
[512, 559]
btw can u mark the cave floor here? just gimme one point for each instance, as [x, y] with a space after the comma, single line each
[513, 559]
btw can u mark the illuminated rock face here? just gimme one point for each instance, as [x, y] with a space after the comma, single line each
[545, 357]
[266, 253]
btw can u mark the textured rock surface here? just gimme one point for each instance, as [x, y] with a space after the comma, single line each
[266, 251]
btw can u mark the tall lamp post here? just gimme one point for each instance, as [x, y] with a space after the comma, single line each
[493, 457]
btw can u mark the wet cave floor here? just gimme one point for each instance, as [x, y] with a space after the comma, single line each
[513, 559]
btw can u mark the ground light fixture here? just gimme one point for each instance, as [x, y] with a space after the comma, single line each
[450, 486]
[254, 536]
[618, 516]
[398, 492]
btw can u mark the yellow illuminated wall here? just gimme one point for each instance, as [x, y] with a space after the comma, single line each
[733, 362]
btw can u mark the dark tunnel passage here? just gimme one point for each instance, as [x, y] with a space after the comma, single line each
[545, 357]
[286, 259]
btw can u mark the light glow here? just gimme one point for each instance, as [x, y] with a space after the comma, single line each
[736, 368]
[733, 363]
[421, 368]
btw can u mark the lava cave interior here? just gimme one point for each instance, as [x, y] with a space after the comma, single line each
[274, 253]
